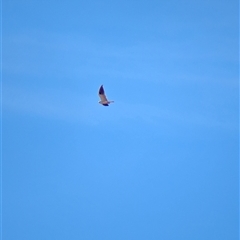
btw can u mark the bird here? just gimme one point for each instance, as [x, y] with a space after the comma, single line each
[103, 97]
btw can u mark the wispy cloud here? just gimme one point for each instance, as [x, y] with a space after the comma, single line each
[71, 107]
[52, 57]
[74, 56]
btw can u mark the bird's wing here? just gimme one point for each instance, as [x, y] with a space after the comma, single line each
[102, 94]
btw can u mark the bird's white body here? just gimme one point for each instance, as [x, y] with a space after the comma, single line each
[105, 102]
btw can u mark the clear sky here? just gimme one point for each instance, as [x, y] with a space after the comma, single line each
[161, 162]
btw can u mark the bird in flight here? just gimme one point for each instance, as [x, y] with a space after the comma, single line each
[103, 97]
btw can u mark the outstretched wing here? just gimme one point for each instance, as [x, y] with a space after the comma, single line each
[102, 94]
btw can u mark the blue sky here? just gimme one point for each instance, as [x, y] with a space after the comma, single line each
[162, 161]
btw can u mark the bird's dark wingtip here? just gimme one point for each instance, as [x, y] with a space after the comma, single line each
[101, 90]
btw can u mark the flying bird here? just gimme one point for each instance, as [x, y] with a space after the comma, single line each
[103, 97]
